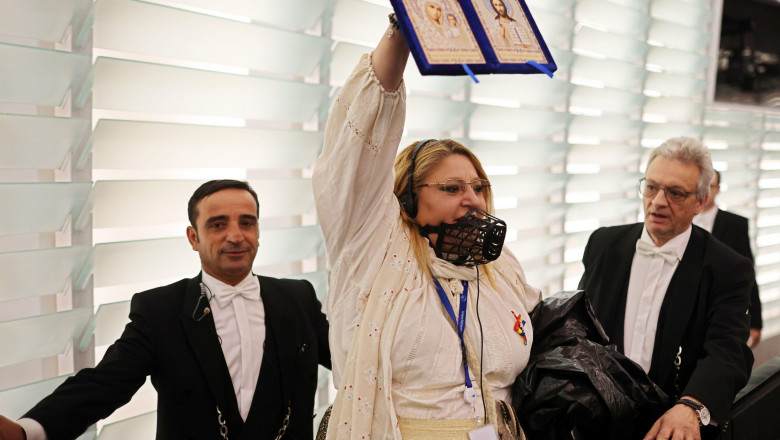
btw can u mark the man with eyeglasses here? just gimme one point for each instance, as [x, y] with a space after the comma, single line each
[732, 229]
[673, 298]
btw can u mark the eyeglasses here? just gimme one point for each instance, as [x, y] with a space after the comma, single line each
[673, 194]
[458, 186]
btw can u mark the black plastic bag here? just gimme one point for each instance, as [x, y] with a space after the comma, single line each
[575, 378]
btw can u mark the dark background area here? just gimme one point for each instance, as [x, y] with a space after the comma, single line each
[749, 55]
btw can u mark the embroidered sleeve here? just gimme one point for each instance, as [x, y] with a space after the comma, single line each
[353, 190]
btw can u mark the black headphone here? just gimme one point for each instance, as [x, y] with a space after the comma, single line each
[408, 200]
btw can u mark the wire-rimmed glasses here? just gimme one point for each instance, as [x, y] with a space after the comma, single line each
[453, 185]
[674, 194]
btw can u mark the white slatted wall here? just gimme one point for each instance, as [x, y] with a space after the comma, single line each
[113, 111]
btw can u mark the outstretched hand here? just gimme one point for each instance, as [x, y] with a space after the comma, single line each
[679, 423]
[10, 430]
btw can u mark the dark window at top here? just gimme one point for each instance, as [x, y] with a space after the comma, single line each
[749, 56]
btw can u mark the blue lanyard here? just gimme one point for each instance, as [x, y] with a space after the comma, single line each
[460, 322]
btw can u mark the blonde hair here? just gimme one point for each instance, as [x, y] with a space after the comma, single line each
[428, 158]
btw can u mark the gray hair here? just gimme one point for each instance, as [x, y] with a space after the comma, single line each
[688, 150]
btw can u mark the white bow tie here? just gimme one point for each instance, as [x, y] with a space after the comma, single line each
[645, 248]
[225, 297]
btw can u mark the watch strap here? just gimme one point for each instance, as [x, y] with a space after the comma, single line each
[693, 405]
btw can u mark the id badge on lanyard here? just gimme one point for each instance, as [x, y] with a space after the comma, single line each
[486, 432]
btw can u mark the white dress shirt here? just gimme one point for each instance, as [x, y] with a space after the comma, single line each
[647, 285]
[241, 328]
[706, 219]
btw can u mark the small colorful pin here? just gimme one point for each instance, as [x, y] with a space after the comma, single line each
[519, 323]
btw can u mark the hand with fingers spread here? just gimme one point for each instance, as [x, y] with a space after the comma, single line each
[679, 423]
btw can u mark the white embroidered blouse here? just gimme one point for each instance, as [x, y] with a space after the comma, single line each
[395, 351]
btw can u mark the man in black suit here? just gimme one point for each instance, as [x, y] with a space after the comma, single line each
[671, 297]
[732, 229]
[228, 352]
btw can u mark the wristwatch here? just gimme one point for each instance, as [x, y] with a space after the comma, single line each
[701, 411]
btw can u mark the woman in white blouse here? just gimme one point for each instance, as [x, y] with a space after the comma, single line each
[400, 365]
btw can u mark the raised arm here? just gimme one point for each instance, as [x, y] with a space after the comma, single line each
[389, 60]
[353, 183]
[353, 177]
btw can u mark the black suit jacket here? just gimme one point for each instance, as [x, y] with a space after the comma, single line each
[703, 312]
[732, 229]
[167, 340]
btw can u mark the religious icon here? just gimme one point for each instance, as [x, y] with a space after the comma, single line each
[456, 37]
[509, 31]
[443, 32]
